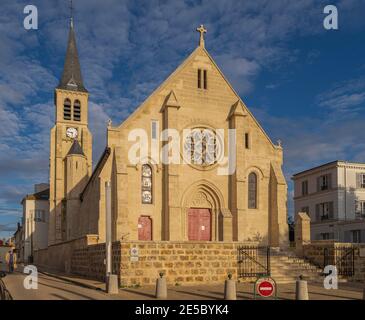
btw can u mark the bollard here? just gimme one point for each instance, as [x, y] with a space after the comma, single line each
[161, 287]
[112, 284]
[230, 289]
[301, 289]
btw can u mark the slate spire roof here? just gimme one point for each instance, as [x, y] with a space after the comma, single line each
[76, 149]
[71, 76]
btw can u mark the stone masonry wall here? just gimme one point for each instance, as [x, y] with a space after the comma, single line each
[57, 258]
[315, 253]
[181, 262]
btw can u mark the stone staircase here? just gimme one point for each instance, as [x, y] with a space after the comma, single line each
[286, 267]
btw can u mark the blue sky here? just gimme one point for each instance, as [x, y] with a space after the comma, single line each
[305, 84]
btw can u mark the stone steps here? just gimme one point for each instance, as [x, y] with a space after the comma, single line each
[286, 268]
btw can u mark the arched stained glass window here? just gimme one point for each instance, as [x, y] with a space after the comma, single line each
[252, 191]
[146, 184]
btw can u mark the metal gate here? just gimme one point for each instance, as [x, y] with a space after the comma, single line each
[253, 261]
[341, 257]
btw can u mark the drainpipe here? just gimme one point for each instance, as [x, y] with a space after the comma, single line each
[345, 191]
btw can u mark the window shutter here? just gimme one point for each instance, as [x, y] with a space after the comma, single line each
[347, 236]
[362, 236]
[331, 213]
[317, 213]
[358, 180]
[357, 207]
[318, 185]
[329, 177]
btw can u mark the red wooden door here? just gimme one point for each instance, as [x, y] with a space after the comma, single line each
[144, 228]
[199, 224]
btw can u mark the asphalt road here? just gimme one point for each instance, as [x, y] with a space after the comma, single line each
[52, 288]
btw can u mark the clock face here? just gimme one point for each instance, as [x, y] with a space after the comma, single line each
[71, 133]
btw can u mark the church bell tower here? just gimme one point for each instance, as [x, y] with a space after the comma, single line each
[70, 147]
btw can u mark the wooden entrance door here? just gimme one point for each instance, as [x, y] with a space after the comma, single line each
[144, 228]
[199, 224]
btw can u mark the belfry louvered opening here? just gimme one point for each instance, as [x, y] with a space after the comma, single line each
[67, 109]
[77, 110]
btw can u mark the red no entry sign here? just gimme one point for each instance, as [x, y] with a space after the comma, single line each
[265, 287]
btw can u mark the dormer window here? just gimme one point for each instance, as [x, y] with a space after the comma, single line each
[77, 110]
[67, 109]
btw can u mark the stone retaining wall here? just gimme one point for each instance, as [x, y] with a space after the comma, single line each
[314, 252]
[57, 257]
[181, 262]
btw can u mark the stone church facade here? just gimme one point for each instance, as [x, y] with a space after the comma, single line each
[151, 200]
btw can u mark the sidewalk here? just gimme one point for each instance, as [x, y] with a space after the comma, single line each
[346, 291]
[77, 280]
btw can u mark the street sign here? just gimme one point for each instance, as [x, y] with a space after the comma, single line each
[134, 254]
[265, 287]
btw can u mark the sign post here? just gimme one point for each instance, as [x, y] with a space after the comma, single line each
[111, 279]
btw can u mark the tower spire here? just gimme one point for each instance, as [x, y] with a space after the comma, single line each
[71, 14]
[71, 77]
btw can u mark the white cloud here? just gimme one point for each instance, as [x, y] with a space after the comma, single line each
[347, 98]
[126, 50]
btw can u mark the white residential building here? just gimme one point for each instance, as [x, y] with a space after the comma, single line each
[333, 195]
[35, 221]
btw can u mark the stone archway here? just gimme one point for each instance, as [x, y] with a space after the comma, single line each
[202, 196]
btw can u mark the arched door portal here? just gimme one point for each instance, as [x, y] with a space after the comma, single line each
[202, 209]
[144, 228]
[199, 224]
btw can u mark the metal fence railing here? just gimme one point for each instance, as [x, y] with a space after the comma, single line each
[253, 261]
[342, 257]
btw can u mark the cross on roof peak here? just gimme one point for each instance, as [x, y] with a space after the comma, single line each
[202, 30]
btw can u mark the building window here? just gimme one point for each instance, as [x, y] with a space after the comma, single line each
[202, 79]
[252, 191]
[305, 209]
[205, 79]
[154, 125]
[324, 182]
[247, 141]
[201, 147]
[359, 209]
[305, 188]
[67, 109]
[77, 110]
[360, 180]
[327, 236]
[146, 184]
[39, 216]
[324, 211]
[356, 236]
